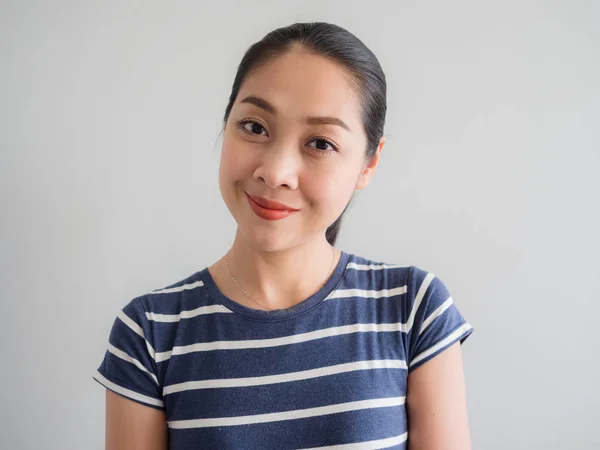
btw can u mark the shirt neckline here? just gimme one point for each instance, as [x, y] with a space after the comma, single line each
[279, 314]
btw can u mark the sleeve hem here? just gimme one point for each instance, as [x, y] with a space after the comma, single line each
[460, 334]
[128, 393]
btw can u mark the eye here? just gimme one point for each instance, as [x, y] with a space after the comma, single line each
[323, 145]
[252, 127]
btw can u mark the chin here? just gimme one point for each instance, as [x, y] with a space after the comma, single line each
[266, 240]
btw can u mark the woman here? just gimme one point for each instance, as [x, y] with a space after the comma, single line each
[287, 342]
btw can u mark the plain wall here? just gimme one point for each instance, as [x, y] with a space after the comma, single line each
[110, 114]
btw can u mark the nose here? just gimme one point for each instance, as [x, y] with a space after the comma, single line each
[279, 165]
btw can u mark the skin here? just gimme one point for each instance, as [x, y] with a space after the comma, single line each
[283, 156]
[133, 426]
[436, 404]
[279, 156]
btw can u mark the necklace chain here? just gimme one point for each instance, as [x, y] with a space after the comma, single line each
[246, 294]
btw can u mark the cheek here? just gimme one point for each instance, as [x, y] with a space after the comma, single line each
[229, 174]
[232, 167]
[329, 192]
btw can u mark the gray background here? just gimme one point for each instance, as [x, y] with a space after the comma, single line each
[110, 114]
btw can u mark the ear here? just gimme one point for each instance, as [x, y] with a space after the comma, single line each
[369, 169]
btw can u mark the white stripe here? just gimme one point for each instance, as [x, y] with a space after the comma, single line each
[339, 293]
[367, 445]
[434, 348]
[418, 299]
[344, 293]
[185, 287]
[380, 266]
[137, 330]
[288, 415]
[286, 377]
[125, 357]
[434, 315]
[127, 392]
[202, 310]
[285, 340]
[131, 324]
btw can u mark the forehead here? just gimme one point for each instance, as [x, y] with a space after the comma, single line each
[301, 84]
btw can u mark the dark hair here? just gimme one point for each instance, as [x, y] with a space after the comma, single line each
[341, 46]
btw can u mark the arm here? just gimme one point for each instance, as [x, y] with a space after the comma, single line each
[133, 426]
[436, 404]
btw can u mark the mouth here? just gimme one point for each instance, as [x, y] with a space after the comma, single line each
[269, 209]
[271, 204]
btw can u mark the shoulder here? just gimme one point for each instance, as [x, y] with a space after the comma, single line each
[418, 285]
[154, 315]
[173, 297]
[387, 273]
[429, 320]
[371, 267]
[410, 272]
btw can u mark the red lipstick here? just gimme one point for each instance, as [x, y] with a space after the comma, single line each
[269, 209]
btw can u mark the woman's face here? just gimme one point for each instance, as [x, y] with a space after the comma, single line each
[295, 136]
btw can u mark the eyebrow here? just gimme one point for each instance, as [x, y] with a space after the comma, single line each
[260, 102]
[319, 120]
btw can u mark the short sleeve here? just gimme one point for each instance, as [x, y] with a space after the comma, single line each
[435, 323]
[129, 366]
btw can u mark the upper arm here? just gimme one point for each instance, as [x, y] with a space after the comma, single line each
[435, 396]
[436, 404]
[135, 410]
[133, 426]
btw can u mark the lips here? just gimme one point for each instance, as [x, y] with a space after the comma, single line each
[271, 204]
[274, 210]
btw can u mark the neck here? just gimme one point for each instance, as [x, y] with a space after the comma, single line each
[279, 279]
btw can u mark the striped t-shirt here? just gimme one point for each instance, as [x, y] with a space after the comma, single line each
[330, 371]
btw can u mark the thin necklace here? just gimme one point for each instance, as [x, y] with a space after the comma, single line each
[246, 294]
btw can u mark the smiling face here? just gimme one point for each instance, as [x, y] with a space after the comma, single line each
[294, 136]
